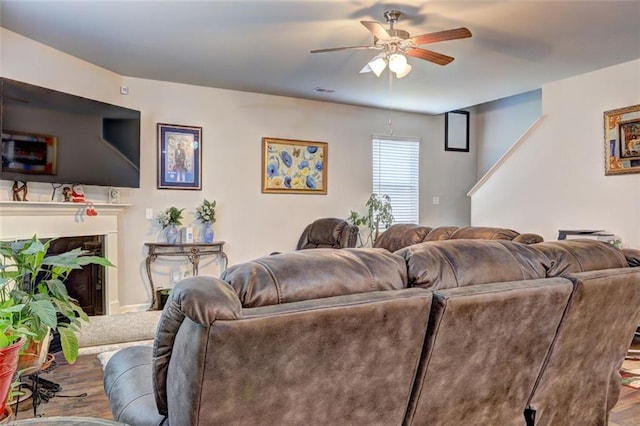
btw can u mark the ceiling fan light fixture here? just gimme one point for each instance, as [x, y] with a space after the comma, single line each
[378, 65]
[405, 71]
[397, 62]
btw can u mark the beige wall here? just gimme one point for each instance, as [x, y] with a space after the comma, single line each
[555, 179]
[500, 123]
[253, 224]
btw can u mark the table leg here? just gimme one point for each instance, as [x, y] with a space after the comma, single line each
[225, 261]
[151, 258]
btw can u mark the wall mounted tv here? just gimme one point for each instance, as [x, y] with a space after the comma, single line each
[51, 136]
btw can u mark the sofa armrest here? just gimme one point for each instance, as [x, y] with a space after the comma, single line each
[202, 299]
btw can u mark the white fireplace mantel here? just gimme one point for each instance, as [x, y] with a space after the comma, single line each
[20, 220]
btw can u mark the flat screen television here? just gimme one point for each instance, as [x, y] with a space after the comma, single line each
[56, 137]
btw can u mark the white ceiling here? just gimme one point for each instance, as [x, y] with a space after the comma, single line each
[263, 46]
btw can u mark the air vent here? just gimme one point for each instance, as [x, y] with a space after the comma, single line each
[321, 90]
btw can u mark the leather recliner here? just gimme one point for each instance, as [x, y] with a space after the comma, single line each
[328, 233]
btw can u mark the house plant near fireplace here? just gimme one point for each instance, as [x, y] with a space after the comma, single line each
[36, 283]
[13, 336]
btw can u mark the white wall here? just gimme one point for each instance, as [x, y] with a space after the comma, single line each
[500, 123]
[556, 178]
[253, 224]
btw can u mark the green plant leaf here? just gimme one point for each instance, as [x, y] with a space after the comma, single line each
[4, 341]
[45, 311]
[102, 261]
[69, 342]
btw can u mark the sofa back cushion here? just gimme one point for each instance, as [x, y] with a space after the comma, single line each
[312, 274]
[485, 346]
[602, 316]
[441, 233]
[335, 361]
[483, 233]
[401, 235]
[459, 263]
[580, 255]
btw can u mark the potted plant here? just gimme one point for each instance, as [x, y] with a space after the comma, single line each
[13, 336]
[34, 282]
[169, 219]
[379, 214]
[206, 213]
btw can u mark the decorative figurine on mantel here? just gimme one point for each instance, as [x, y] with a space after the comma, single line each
[77, 194]
[66, 193]
[17, 189]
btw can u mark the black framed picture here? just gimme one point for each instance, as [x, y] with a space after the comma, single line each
[179, 157]
[456, 131]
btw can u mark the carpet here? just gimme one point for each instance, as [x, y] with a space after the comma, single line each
[105, 356]
[630, 372]
[108, 330]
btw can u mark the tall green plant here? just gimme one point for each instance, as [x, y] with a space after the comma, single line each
[379, 215]
[35, 282]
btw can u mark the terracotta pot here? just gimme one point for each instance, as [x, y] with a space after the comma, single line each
[35, 354]
[8, 366]
[5, 415]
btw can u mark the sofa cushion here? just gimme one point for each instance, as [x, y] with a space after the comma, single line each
[345, 360]
[483, 233]
[311, 274]
[128, 385]
[593, 337]
[401, 235]
[459, 263]
[484, 348]
[580, 255]
[441, 233]
[528, 238]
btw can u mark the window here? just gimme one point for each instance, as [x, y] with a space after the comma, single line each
[395, 173]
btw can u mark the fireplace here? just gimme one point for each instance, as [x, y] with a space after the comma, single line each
[47, 220]
[86, 285]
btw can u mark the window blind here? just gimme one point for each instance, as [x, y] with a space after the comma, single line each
[396, 173]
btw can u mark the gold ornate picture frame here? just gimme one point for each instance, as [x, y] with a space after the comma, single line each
[622, 141]
[293, 166]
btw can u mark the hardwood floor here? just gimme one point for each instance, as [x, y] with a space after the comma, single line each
[86, 376]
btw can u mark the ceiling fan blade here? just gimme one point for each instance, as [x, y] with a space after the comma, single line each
[428, 55]
[336, 49]
[441, 36]
[377, 29]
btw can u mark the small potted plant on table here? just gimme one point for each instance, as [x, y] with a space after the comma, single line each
[170, 219]
[206, 213]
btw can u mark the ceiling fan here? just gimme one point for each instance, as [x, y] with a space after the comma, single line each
[396, 45]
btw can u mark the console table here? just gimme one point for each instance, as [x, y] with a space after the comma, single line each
[192, 251]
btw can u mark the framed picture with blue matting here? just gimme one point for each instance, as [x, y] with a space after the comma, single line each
[179, 157]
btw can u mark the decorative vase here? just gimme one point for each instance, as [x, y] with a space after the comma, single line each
[171, 233]
[208, 233]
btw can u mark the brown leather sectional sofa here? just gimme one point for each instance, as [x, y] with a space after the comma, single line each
[454, 332]
[403, 235]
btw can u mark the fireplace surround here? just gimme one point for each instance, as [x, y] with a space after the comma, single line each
[23, 220]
